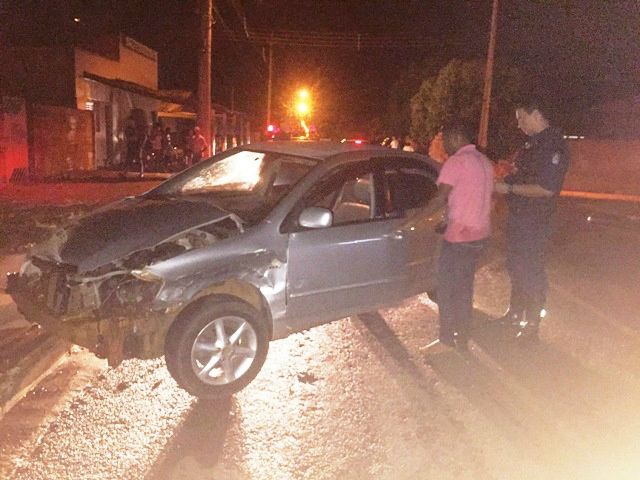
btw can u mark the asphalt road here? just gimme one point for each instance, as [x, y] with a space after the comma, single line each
[357, 399]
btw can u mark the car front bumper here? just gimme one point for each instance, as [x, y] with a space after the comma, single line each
[114, 334]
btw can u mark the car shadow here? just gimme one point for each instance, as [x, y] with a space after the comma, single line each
[386, 337]
[416, 387]
[466, 374]
[548, 407]
[547, 404]
[201, 438]
[544, 370]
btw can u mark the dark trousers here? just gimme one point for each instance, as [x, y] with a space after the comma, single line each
[456, 269]
[527, 241]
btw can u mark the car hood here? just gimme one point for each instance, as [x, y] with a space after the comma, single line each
[127, 226]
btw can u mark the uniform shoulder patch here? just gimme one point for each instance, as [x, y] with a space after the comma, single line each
[556, 158]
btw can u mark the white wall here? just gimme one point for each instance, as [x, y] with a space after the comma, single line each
[132, 66]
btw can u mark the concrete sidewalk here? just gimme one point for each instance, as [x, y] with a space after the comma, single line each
[27, 353]
[72, 193]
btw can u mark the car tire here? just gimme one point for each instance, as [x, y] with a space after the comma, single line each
[216, 348]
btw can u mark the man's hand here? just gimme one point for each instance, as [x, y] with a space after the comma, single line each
[501, 187]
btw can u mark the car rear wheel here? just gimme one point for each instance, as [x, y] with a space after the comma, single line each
[217, 348]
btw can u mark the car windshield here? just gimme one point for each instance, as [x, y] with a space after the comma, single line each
[237, 173]
[247, 183]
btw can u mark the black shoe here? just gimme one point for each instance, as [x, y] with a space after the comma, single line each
[528, 335]
[529, 328]
[460, 342]
[511, 318]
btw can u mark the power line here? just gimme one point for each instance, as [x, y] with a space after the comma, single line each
[234, 38]
[239, 11]
[237, 8]
[296, 38]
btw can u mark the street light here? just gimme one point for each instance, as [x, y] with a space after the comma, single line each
[303, 108]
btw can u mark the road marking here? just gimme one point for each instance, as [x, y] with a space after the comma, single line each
[601, 196]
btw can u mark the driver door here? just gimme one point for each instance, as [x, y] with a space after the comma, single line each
[352, 266]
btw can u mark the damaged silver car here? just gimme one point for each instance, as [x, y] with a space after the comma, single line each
[249, 246]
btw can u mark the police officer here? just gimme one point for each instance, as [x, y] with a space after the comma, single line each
[532, 190]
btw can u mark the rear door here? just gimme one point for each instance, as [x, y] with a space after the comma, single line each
[410, 185]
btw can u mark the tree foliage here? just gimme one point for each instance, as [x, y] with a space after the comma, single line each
[456, 92]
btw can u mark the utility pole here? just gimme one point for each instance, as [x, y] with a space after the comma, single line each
[488, 80]
[204, 72]
[269, 83]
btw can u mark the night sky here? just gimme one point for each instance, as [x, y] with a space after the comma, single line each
[579, 52]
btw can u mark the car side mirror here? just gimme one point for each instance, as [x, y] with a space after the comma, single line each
[315, 217]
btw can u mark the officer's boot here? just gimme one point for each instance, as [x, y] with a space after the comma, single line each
[528, 329]
[511, 317]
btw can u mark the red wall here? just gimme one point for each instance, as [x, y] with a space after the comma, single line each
[62, 140]
[604, 166]
[13, 137]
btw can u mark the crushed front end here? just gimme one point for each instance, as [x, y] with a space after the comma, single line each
[111, 310]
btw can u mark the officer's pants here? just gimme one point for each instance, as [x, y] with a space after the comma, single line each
[456, 269]
[527, 241]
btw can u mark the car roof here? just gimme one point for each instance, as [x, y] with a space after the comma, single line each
[321, 150]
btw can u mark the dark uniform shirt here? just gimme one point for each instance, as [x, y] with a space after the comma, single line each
[543, 161]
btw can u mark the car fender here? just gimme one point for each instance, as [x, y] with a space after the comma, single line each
[258, 278]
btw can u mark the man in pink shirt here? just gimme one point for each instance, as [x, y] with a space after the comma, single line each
[465, 185]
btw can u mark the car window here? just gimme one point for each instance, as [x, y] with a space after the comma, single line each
[408, 187]
[352, 200]
[349, 194]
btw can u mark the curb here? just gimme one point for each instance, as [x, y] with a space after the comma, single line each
[26, 363]
[620, 197]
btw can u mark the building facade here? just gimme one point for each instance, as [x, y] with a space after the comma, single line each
[116, 79]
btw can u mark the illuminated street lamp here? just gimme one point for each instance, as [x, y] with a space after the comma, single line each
[302, 108]
[302, 105]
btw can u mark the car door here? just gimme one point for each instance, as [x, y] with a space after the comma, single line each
[352, 265]
[410, 185]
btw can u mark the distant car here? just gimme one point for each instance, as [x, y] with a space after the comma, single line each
[354, 140]
[254, 244]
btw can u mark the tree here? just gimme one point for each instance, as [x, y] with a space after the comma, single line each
[398, 117]
[456, 91]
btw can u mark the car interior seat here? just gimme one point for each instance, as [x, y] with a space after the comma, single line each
[355, 202]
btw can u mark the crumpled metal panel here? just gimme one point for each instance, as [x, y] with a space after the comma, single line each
[206, 271]
[131, 225]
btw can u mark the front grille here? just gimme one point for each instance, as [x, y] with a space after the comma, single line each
[54, 289]
[60, 293]
[57, 292]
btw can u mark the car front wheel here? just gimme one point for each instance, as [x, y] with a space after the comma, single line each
[217, 348]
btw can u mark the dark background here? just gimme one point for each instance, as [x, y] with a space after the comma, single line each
[580, 53]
